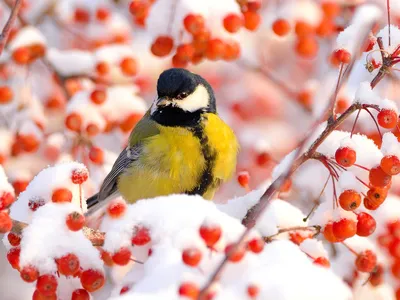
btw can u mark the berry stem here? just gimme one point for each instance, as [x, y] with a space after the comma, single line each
[376, 123]
[80, 196]
[354, 124]
[7, 28]
[350, 249]
[361, 167]
[332, 112]
[316, 228]
[362, 182]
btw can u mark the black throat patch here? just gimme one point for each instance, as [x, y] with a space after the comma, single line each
[174, 116]
[209, 154]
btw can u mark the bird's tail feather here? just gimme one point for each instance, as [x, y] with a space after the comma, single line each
[92, 201]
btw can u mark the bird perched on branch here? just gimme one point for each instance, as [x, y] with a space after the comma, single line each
[180, 146]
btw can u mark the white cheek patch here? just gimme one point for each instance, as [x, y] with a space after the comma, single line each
[197, 100]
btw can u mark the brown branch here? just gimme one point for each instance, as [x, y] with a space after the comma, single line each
[96, 237]
[316, 228]
[7, 28]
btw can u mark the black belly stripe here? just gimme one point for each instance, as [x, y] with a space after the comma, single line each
[206, 178]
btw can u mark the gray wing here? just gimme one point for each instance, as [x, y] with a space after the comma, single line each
[109, 188]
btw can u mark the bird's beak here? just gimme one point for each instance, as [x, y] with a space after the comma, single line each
[162, 102]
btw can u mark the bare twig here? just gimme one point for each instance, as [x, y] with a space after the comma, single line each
[388, 19]
[7, 28]
[96, 237]
[315, 228]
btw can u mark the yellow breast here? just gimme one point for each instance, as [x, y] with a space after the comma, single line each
[173, 162]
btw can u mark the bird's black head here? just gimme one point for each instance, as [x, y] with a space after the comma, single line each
[182, 98]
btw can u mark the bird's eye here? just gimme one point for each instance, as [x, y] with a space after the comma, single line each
[181, 95]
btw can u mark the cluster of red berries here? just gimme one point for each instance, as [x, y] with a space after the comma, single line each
[211, 234]
[63, 195]
[28, 54]
[74, 120]
[67, 265]
[390, 241]
[46, 284]
[203, 45]
[307, 45]
[140, 237]
[83, 16]
[128, 66]
[6, 199]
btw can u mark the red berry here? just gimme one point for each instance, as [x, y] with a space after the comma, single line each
[243, 179]
[191, 256]
[394, 228]
[329, 235]
[349, 200]
[13, 257]
[92, 130]
[256, 245]
[394, 248]
[343, 56]
[37, 295]
[322, 261]
[29, 274]
[68, 264]
[375, 197]
[122, 256]
[81, 15]
[129, 66]
[236, 255]
[345, 156]
[378, 177]
[124, 290]
[20, 186]
[14, 239]
[232, 51]
[141, 236]
[396, 269]
[162, 46]
[61, 195]
[215, 49]
[92, 280]
[387, 118]
[253, 290]
[366, 224]
[263, 158]
[96, 155]
[79, 176]
[366, 261]
[116, 209]
[194, 23]
[75, 221]
[210, 233]
[189, 290]
[177, 62]
[80, 294]
[5, 222]
[344, 228]
[73, 122]
[185, 52]
[107, 258]
[390, 164]
[376, 277]
[98, 96]
[251, 20]
[102, 68]
[21, 56]
[47, 284]
[6, 199]
[232, 23]
[6, 94]
[102, 14]
[307, 46]
[129, 122]
[281, 27]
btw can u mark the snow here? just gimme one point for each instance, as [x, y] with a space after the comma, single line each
[390, 144]
[27, 36]
[58, 176]
[71, 62]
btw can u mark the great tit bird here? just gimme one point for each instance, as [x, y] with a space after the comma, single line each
[180, 146]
